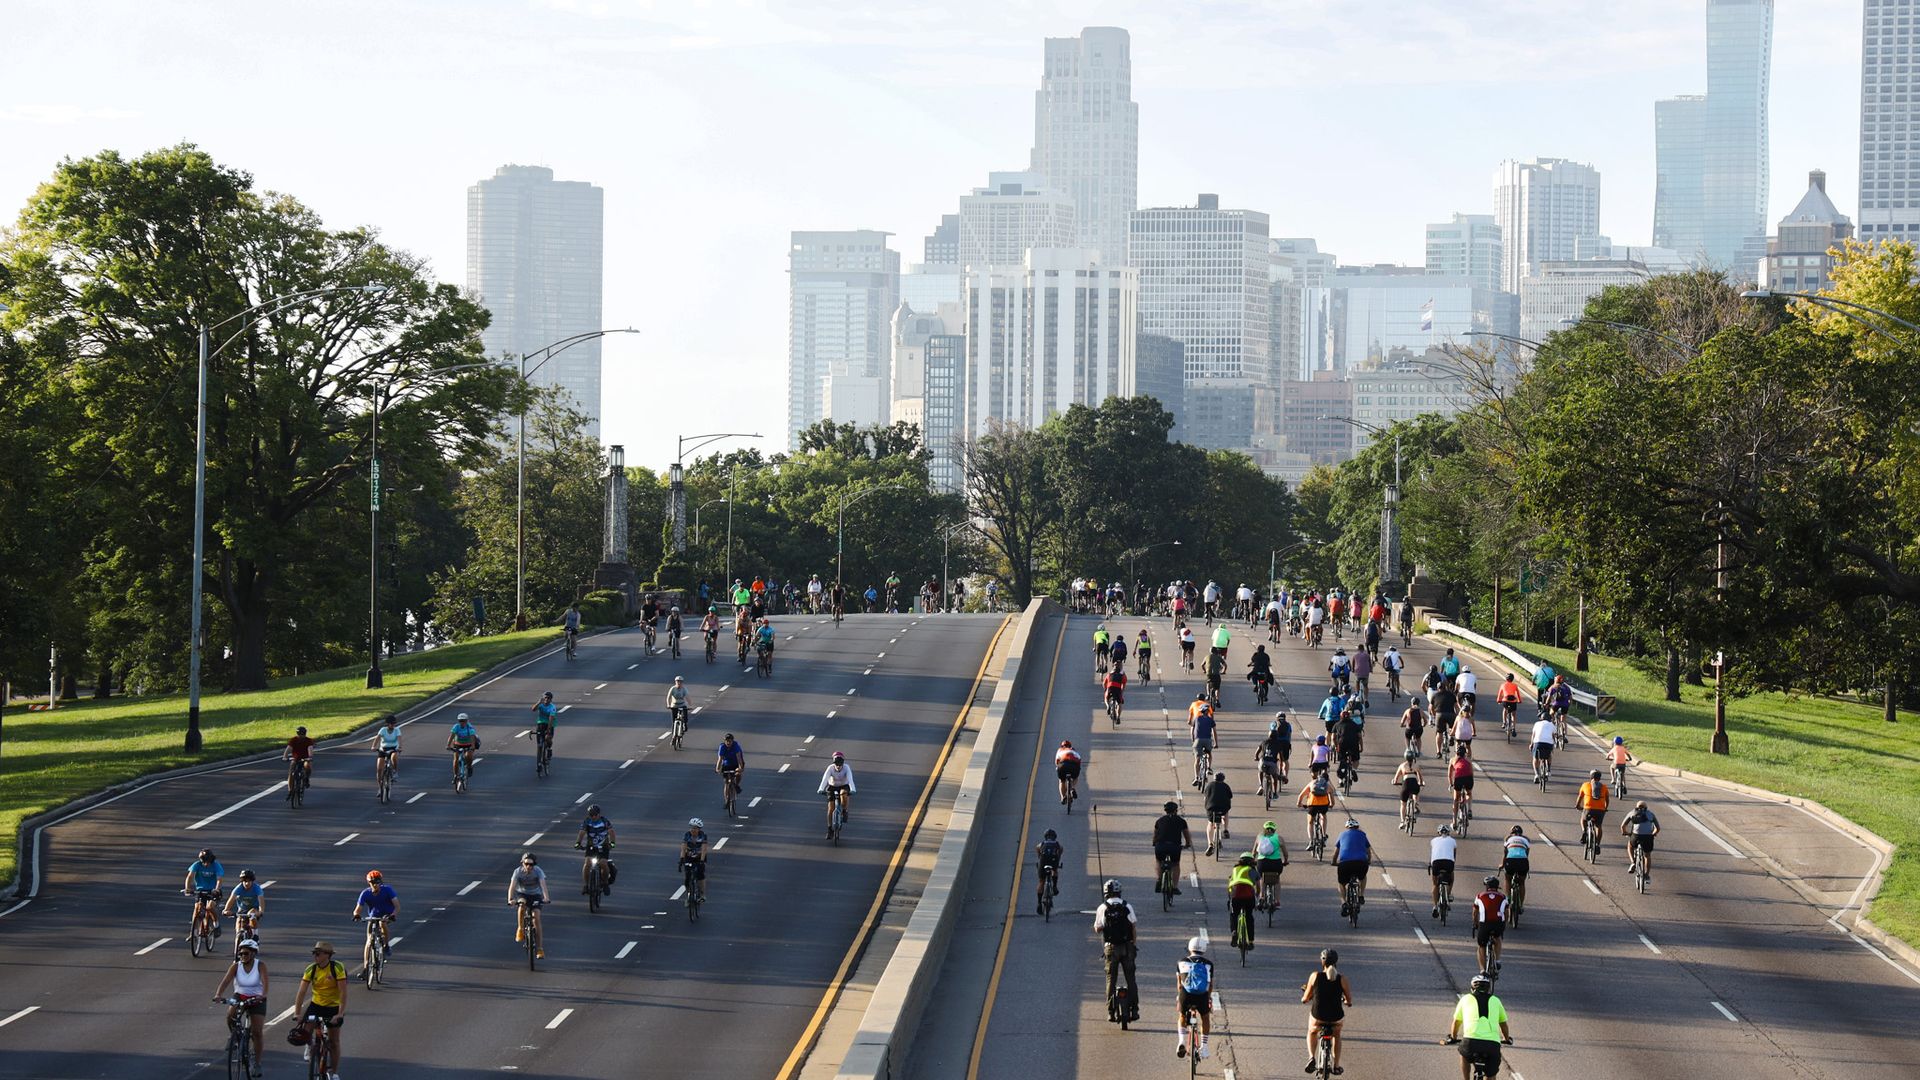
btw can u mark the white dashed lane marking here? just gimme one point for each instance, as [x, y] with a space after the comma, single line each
[343, 840]
[1591, 887]
[1723, 1008]
[1648, 942]
[678, 893]
[1422, 935]
[564, 708]
[786, 766]
[155, 945]
[755, 801]
[534, 839]
[471, 885]
[560, 1019]
[630, 667]
[18, 1015]
[602, 686]
[810, 738]
[627, 764]
[417, 798]
[583, 798]
[624, 950]
[722, 842]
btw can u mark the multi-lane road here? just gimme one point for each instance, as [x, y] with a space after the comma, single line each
[1722, 970]
[96, 980]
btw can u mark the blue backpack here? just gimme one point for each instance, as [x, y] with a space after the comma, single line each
[1197, 976]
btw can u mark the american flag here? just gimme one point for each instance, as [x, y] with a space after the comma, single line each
[1426, 315]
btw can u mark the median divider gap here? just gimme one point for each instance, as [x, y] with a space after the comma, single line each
[881, 1043]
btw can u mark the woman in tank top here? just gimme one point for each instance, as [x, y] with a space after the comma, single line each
[247, 976]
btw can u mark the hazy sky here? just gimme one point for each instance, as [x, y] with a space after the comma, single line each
[717, 127]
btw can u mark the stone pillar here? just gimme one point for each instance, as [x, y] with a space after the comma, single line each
[613, 571]
[677, 507]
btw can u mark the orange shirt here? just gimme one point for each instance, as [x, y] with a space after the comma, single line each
[1594, 795]
[1618, 755]
[1509, 691]
[1197, 710]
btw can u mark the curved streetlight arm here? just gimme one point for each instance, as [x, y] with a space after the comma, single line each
[281, 303]
[556, 348]
[1829, 302]
[1528, 342]
[1634, 328]
[681, 447]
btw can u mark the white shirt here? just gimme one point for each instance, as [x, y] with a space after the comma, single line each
[1273, 606]
[1465, 682]
[1245, 593]
[248, 982]
[1186, 635]
[1463, 728]
[814, 586]
[1314, 615]
[837, 776]
[1442, 847]
[1393, 661]
[1543, 731]
[1213, 592]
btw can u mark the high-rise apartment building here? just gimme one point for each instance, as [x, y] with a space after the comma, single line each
[1370, 311]
[942, 246]
[1679, 195]
[1542, 207]
[1797, 259]
[1086, 134]
[1890, 120]
[1055, 332]
[534, 261]
[929, 354]
[1296, 268]
[1558, 291]
[1466, 247]
[1014, 212]
[1157, 362]
[1407, 384]
[1710, 198]
[843, 288]
[1203, 283]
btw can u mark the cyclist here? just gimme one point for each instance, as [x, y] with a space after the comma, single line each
[1460, 774]
[528, 885]
[1102, 647]
[1441, 851]
[1266, 757]
[1279, 743]
[677, 701]
[838, 599]
[742, 594]
[203, 883]
[1116, 686]
[731, 762]
[1592, 802]
[1317, 764]
[322, 999]
[872, 597]
[1372, 638]
[763, 642]
[1218, 799]
[693, 851]
[1331, 707]
[1243, 893]
[1509, 698]
[300, 750]
[1352, 854]
[1515, 861]
[650, 618]
[247, 977]
[1347, 745]
[1414, 722]
[674, 628]
[1543, 677]
[571, 622]
[1542, 747]
[1211, 595]
[1221, 637]
[1327, 996]
[1115, 925]
[1193, 988]
[813, 594]
[1489, 923]
[742, 633]
[378, 901]
[893, 592]
[1467, 685]
[1641, 827]
[836, 782]
[1394, 665]
[1480, 1027]
[1316, 615]
[1449, 668]
[1118, 652]
[1066, 766]
[1270, 857]
[1243, 603]
[1049, 853]
[1260, 668]
[463, 740]
[544, 712]
[1170, 837]
[1559, 699]
[596, 831]
[1143, 652]
[1186, 646]
[1216, 669]
[1463, 730]
[993, 596]
[1407, 778]
[386, 747]
[1406, 619]
[710, 629]
[1619, 757]
[1200, 727]
[1362, 671]
[248, 899]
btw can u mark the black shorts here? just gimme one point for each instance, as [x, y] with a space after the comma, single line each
[1164, 852]
[1468, 698]
[1216, 816]
[1415, 731]
[1441, 870]
[257, 1007]
[1463, 783]
[1489, 930]
[1409, 788]
[1484, 1051]
[1351, 870]
[1067, 770]
[1286, 751]
[1641, 842]
[699, 868]
[1543, 751]
[1516, 868]
[1595, 818]
[328, 1013]
[1200, 1003]
[1268, 866]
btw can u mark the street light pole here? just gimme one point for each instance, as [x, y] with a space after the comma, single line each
[946, 537]
[1133, 560]
[1390, 512]
[1719, 745]
[840, 529]
[676, 481]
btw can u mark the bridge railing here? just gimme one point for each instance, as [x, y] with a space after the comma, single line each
[1591, 702]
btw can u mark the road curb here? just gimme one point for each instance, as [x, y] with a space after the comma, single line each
[881, 1043]
[1863, 925]
[25, 883]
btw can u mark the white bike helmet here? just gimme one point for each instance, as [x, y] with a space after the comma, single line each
[1197, 945]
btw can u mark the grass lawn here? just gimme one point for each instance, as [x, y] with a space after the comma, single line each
[47, 759]
[1839, 754]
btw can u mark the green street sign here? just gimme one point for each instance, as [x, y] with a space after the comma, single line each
[376, 485]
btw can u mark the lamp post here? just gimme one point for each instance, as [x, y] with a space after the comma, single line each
[840, 528]
[1633, 328]
[1528, 342]
[1837, 306]
[676, 480]
[946, 537]
[1273, 563]
[1133, 559]
[696, 515]
[550, 350]
[207, 353]
[1390, 512]
[1720, 520]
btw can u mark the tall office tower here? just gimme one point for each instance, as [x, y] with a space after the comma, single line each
[1542, 206]
[1296, 265]
[1157, 362]
[1679, 191]
[1889, 108]
[534, 260]
[1014, 212]
[1734, 162]
[929, 350]
[1558, 291]
[942, 246]
[843, 288]
[1466, 247]
[1055, 332]
[1086, 134]
[1797, 259]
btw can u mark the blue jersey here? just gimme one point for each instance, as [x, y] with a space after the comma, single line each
[1120, 649]
[1331, 708]
[731, 754]
[380, 900]
[1351, 846]
[464, 733]
[206, 876]
[1203, 727]
[596, 829]
[246, 895]
[543, 713]
[695, 845]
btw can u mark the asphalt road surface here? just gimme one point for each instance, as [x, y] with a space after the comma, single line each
[1721, 970]
[96, 979]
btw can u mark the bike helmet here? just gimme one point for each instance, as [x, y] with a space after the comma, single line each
[1618, 741]
[1201, 696]
[373, 877]
[1329, 957]
[461, 717]
[1111, 888]
[297, 1035]
[1491, 882]
[1352, 824]
[1446, 830]
[206, 854]
[1482, 982]
[1245, 859]
[1171, 807]
[548, 696]
[1219, 776]
[676, 609]
[1197, 946]
[1319, 740]
[679, 679]
[838, 756]
[1516, 831]
[1411, 754]
[299, 731]
[594, 810]
[1050, 835]
[248, 943]
[246, 875]
[696, 823]
[1641, 805]
[1066, 744]
[1594, 774]
[527, 857]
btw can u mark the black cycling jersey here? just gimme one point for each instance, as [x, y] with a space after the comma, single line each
[1168, 830]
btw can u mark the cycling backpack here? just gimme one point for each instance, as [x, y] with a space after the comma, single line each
[1116, 929]
[1320, 784]
[1196, 975]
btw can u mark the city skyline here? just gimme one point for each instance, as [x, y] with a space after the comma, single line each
[705, 106]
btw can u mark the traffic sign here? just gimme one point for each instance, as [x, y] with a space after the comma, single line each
[376, 485]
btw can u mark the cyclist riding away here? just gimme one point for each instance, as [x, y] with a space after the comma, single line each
[1467, 685]
[1542, 747]
[1509, 698]
[1278, 745]
[1243, 892]
[1102, 648]
[1640, 826]
[1048, 852]
[322, 999]
[1117, 652]
[1480, 1027]
[1352, 854]
[1270, 857]
[1414, 723]
[693, 853]
[1441, 851]
[596, 833]
[1066, 766]
[1260, 670]
[1515, 861]
[378, 901]
[1592, 802]
[1327, 997]
[1170, 837]
[837, 783]
[1321, 752]
[1200, 726]
[1116, 686]
[1218, 798]
[1489, 923]
[1394, 665]
[1116, 927]
[1193, 989]
[463, 740]
[1461, 776]
[528, 885]
[1407, 778]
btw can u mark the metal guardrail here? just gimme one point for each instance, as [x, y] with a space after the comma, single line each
[1593, 703]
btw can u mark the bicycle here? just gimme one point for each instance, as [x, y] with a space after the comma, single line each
[298, 780]
[595, 871]
[1462, 816]
[373, 954]
[1349, 772]
[573, 636]
[713, 644]
[1619, 782]
[1049, 888]
[1269, 786]
[543, 750]
[1409, 814]
[1190, 1024]
[1509, 719]
[1317, 836]
[1073, 792]
[383, 773]
[1146, 665]
[528, 932]
[204, 925]
[839, 612]
[1638, 868]
[673, 643]
[1560, 727]
[1481, 1070]
[1354, 900]
[1099, 660]
[1393, 686]
[1516, 898]
[1169, 880]
[1446, 900]
[1260, 691]
[1542, 772]
[1114, 708]
[763, 664]
[647, 632]
[690, 890]
[1202, 766]
[462, 769]
[837, 817]
[320, 1048]
[1323, 1059]
[679, 726]
[240, 1063]
[1120, 1004]
[1590, 841]
[246, 924]
[1243, 934]
[730, 789]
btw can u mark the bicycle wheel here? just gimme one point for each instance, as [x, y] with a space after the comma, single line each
[533, 943]
[197, 942]
[1166, 889]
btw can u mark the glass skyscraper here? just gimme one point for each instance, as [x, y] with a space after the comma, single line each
[1679, 138]
[1086, 134]
[1889, 136]
[1734, 154]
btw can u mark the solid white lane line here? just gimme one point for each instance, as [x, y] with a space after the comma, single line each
[416, 798]
[560, 1019]
[720, 843]
[583, 798]
[627, 764]
[786, 766]
[150, 948]
[285, 1014]
[810, 738]
[1648, 942]
[249, 800]
[343, 840]
[1724, 1012]
[1422, 935]
[624, 950]
[602, 686]
[564, 708]
[678, 893]
[1708, 833]
[471, 885]
[753, 802]
[1591, 887]
[18, 1015]
[534, 839]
